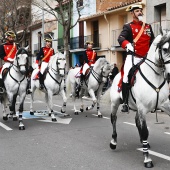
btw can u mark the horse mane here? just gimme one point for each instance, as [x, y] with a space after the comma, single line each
[164, 39]
[100, 62]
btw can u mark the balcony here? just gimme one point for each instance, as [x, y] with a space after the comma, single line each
[79, 42]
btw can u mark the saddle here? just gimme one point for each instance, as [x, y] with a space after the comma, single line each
[36, 77]
[131, 75]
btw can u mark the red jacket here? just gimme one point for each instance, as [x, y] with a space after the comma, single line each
[130, 31]
[91, 56]
[45, 54]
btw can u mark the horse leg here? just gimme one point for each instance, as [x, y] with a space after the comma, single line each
[99, 92]
[91, 92]
[12, 101]
[50, 105]
[138, 125]
[4, 101]
[144, 136]
[63, 95]
[114, 107]
[32, 98]
[21, 125]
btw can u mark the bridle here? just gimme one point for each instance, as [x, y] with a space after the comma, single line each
[56, 71]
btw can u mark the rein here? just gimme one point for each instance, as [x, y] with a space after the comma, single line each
[162, 65]
[55, 71]
[19, 82]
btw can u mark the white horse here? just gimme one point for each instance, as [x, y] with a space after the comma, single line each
[54, 83]
[15, 83]
[149, 92]
[95, 81]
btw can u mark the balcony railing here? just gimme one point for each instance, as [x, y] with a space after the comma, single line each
[79, 42]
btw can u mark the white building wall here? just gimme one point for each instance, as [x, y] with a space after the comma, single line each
[88, 8]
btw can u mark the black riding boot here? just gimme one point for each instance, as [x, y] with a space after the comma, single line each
[78, 88]
[41, 80]
[2, 86]
[125, 94]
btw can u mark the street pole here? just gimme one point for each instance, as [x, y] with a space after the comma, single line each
[42, 42]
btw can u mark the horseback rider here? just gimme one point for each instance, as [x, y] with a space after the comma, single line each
[43, 59]
[89, 58]
[8, 51]
[136, 37]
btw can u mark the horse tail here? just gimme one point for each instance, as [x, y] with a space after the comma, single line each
[106, 97]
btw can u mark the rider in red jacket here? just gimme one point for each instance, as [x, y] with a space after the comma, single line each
[136, 41]
[89, 59]
[8, 51]
[43, 58]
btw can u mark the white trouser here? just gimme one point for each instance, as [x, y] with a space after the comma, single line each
[43, 67]
[85, 67]
[128, 65]
[6, 65]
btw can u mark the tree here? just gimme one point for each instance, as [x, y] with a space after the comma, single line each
[15, 16]
[63, 11]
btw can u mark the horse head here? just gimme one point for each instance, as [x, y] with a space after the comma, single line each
[58, 63]
[163, 50]
[105, 67]
[21, 60]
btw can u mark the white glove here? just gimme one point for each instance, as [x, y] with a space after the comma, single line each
[36, 66]
[129, 47]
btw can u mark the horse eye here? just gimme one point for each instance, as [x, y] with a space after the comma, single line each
[165, 50]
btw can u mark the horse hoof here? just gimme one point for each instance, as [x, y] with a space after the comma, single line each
[49, 114]
[21, 127]
[81, 110]
[148, 164]
[62, 111]
[76, 113]
[87, 108]
[54, 119]
[100, 116]
[112, 146]
[31, 113]
[15, 118]
[5, 118]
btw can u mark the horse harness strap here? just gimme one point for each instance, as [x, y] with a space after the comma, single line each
[156, 89]
[19, 82]
[59, 83]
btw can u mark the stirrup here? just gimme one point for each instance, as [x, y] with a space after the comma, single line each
[125, 108]
[2, 90]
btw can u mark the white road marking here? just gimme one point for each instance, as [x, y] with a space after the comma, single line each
[57, 105]
[129, 123]
[103, 116]
[156, 154]
[4, 126]
[167, 133]
[59, 120]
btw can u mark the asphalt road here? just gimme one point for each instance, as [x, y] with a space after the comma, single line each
[80, 142]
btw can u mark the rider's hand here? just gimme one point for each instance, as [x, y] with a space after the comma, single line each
[129, 47]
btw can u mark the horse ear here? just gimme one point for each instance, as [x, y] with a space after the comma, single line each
[26, 48]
